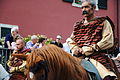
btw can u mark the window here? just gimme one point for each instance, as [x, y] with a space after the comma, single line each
[102, 4]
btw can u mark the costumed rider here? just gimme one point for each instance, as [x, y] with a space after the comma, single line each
[91, 38]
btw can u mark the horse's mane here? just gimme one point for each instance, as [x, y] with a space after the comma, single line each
[60, 63]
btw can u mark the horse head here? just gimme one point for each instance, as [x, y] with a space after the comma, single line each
[36, 70]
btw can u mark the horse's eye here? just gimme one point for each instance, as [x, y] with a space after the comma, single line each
[43, 76]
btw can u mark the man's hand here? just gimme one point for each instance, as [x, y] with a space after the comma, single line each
[12, 69]
[78, 51]
[9, 47]
[36, 44]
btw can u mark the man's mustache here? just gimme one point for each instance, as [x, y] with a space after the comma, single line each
[84, 12]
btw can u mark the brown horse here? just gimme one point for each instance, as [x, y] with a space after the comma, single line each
[53, 63]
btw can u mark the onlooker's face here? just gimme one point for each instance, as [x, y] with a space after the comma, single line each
[15, 32]
[19, 44]
[58, 39]
[35, 41]
[87, 9]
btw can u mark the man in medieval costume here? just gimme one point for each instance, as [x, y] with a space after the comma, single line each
[17, 66]
[91, 38]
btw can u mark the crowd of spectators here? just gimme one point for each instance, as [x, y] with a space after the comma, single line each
[34, 42]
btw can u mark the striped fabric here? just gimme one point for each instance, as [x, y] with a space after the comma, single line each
[104, 59]
[88, 34]
[91, 34]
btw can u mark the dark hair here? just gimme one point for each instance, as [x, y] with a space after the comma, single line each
[41, 40]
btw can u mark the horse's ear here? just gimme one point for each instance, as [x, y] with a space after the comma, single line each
[20, 56]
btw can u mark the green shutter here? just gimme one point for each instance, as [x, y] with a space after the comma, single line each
[70, 1]
[102, 4]
[5, 31]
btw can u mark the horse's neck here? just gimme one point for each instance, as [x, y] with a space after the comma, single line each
[60, 75]
[78, 59]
